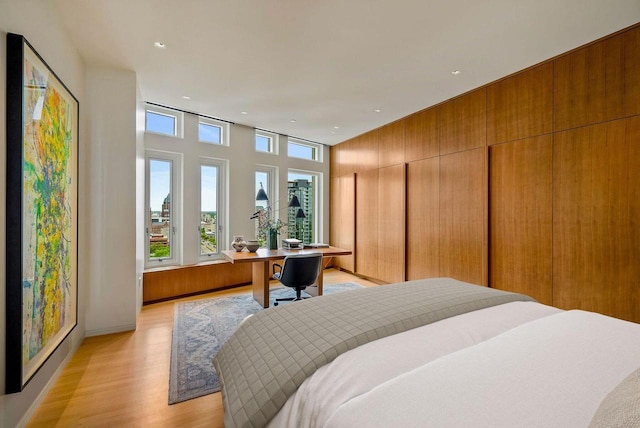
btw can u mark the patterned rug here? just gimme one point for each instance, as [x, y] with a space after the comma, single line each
[201, 327]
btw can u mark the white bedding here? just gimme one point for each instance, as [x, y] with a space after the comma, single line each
[517, 364]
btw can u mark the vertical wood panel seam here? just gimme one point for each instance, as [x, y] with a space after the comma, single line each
[553, 140]
[406, 221]
[487, 200]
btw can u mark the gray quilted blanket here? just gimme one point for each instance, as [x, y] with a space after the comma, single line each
[275, 350]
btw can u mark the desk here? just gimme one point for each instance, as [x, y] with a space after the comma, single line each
[260, 267]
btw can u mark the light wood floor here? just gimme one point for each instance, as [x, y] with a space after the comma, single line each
[123, 379]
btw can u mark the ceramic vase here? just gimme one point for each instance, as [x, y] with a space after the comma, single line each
[238, 243]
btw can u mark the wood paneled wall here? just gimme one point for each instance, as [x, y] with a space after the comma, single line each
[528, 184]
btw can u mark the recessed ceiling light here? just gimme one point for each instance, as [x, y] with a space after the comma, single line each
[160, 45]
[293, 121]
[377, 110]
[455, 72]
[243, 112]
[336, 127]
[186, 97]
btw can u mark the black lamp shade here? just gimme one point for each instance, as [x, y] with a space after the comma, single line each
[294, 202]
[300, 213]
[262, 195]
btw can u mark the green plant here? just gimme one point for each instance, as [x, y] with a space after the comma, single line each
[266, 224]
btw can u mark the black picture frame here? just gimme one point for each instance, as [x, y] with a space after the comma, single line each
[42, 121]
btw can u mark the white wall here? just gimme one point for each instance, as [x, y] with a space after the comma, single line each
[111, 109]
[242, 158]
[35, 20]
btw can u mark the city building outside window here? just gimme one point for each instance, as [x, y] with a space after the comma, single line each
[303, 220]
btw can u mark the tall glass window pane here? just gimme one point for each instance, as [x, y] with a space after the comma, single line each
[161, 123]
[262, 179]
[160, 222]
[209, 133]
[301, 219]
[208, 209]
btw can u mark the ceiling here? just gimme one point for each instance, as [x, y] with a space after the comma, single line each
[327, 70]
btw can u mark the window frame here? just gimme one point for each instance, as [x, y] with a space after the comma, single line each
[175, 159]
[314, 146]
[274, 141]
[164, 111]
[224, 130]
[221, 186]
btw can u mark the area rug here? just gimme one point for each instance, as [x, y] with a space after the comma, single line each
[201, 327]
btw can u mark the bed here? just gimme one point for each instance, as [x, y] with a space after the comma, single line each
[436, 352]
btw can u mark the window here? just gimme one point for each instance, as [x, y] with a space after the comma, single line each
[304, 150]
[304, 220]
[160, 120]
[162, 201]
[266, 142]
[211, 214]
[213, 131]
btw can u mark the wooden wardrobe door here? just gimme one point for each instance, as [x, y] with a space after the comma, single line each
[520, 217]
[367, 223]
[463, 197]
[391, 223]
[343, 218]
[423, 204]
[596, 212]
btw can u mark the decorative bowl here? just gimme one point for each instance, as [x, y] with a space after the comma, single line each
[252, 246]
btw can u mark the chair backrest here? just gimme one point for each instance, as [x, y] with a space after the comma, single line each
[301, 270]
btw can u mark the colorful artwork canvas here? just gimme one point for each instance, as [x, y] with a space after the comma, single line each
[42, 183]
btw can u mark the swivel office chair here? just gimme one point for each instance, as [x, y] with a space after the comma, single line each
[298, 271]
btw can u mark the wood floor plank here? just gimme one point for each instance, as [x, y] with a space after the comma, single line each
[122, 379]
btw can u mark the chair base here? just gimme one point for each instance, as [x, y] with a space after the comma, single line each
[288, 299]
[292, 299]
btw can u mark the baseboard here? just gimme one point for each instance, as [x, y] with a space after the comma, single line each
[110, 330]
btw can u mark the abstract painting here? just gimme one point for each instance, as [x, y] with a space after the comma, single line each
[42, 211]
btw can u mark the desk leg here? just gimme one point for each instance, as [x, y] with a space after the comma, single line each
[317, 288]
[260, 282]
